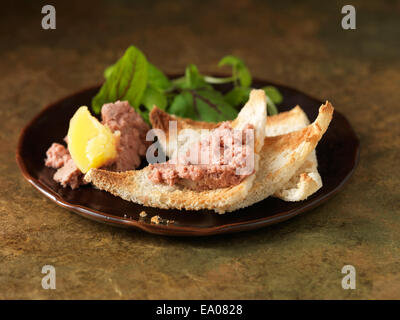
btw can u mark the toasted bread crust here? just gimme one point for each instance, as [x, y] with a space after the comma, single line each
[160, 120]
[136, 187]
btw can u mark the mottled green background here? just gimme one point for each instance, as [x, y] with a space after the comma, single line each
[300, 44]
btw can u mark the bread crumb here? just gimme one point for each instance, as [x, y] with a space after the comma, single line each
[155, 219]
[143, 214]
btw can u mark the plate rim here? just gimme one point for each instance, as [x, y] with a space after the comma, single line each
[171, 230]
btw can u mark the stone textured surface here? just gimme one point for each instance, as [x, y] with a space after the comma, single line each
[298, 44]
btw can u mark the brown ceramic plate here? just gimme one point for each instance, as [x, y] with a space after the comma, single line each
[337, 152]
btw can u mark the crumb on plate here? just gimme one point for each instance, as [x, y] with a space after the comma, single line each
[143, 214]
[155, 219]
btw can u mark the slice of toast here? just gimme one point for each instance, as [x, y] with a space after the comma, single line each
[307, 179]
[137, 187]
[304, 182]
[283, 155]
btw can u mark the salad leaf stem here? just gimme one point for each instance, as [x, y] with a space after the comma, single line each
[215, 80]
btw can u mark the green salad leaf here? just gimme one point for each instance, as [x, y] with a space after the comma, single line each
[126, 80]
[193, 79]
[274, 94]
[239, 69]
[153, 97]
[203, 104]
[108, 71]
[157, 79]
[182, 106]
[238, 96]
[212, 106]
[193, 96]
